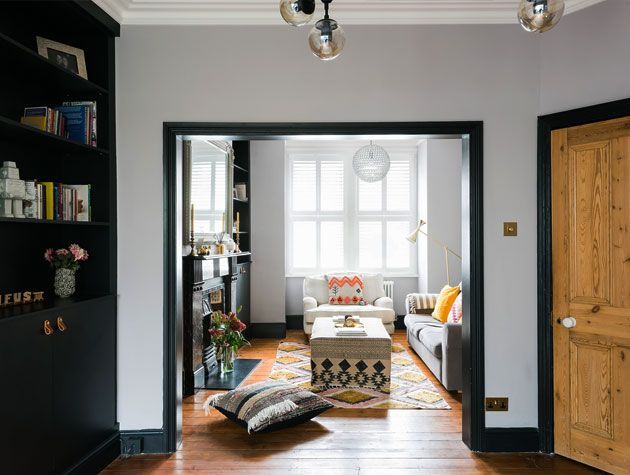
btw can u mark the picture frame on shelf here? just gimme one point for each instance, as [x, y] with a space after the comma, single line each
[64, 56]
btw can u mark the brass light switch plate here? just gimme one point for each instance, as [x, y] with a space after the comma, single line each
[510, 229]
[496, 404]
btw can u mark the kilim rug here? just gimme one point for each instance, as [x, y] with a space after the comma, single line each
[409, 389]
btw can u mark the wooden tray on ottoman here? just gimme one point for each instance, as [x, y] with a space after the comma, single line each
[351, 361]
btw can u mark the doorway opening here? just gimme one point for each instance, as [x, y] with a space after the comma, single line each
[471, 136]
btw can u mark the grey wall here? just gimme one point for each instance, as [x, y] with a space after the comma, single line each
[440, 202]
[584, 61]
[267, 208]
[231, 74]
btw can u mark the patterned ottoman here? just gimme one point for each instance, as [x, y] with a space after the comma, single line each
[351, 361]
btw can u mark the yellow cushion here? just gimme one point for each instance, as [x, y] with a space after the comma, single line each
[445, 302]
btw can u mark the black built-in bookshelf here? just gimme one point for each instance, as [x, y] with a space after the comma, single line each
[241, 175]
[81, 432]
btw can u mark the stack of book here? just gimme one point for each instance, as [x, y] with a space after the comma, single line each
[72, 120]
[57, 202]
[350, 331]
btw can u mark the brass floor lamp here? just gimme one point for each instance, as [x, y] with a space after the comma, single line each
[413, 238]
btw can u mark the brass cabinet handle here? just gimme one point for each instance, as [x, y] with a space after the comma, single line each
[48, 329]
[61, 325]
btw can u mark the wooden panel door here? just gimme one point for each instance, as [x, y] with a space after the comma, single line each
[591, 293]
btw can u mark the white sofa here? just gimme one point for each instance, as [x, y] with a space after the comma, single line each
[316, 304]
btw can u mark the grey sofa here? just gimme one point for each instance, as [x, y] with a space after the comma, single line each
[439, 345]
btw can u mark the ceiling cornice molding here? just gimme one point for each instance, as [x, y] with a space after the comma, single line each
[348, 12]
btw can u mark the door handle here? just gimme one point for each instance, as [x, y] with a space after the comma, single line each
[48, 329]
[61, 325]
[567, 322]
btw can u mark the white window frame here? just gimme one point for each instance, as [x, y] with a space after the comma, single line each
[323, 150]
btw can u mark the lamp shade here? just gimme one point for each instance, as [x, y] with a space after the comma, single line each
[413, 237]
[371, 163]
[297, 12]
[540, 15]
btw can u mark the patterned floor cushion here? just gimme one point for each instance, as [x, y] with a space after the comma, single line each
[268, 406]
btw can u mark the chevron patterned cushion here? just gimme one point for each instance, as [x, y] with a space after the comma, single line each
[345, 290]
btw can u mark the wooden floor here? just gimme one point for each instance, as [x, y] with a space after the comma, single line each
[340, 441]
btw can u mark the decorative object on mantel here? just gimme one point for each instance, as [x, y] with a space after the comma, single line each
[371, 163]
[64, 56]
[66, 264]
[12, 191]
[226, 333]
[326, 39]
[193, 250]
[413, 238]
[21, 298]
[540, 15]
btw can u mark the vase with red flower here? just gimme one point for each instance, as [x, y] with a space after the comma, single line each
[226, 333]
[65, 261]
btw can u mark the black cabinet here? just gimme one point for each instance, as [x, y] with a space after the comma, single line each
[26, 409]
[59, 401]
[84, 380]
[242, 298]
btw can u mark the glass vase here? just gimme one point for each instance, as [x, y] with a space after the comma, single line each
[65, 282]
[228, 355]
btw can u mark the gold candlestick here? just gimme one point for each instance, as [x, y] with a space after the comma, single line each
[238, 234]
[193, 251]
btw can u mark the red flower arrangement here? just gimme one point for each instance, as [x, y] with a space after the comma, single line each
[226, 331]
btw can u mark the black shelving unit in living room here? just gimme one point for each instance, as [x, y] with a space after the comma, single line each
[58, 357]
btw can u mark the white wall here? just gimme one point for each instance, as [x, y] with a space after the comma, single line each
[231, 74]
[440, 199]
[584, 61]
[267, 208]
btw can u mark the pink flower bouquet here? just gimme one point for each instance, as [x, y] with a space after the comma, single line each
[66, 258]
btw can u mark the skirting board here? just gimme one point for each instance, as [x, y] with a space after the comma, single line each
[148, 441]
[295, 322]
[99, 458]
[269, 330]
[512, 439]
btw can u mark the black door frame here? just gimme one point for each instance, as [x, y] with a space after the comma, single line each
[546, 124]
[473, 414]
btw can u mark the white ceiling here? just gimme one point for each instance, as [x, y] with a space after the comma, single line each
[348, 12]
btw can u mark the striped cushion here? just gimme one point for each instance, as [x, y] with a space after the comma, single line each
[417, 302]
[268, 406]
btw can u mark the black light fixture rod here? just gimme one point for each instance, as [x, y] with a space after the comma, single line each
[326, 2]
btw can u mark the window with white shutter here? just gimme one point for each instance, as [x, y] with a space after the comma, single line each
[337, 222]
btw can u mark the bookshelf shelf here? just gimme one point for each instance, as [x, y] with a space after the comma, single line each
[49, 221]
[13, 130]
[50, 304]
[236, 200]
[241, 168]
[22, 58]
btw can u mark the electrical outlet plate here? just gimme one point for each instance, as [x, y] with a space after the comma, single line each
[510, 228]
[496, 404]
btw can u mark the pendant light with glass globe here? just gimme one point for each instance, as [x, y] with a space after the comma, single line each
[326, 39]
[540, 15]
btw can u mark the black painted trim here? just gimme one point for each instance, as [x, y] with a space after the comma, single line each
[269, 330]
[295, 322]
[546, 124]
[147, 441]
[473, 415]
[512, 439]
[100, 457]
[111, 26]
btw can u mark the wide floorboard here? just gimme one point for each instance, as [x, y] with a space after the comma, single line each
[341, 441]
